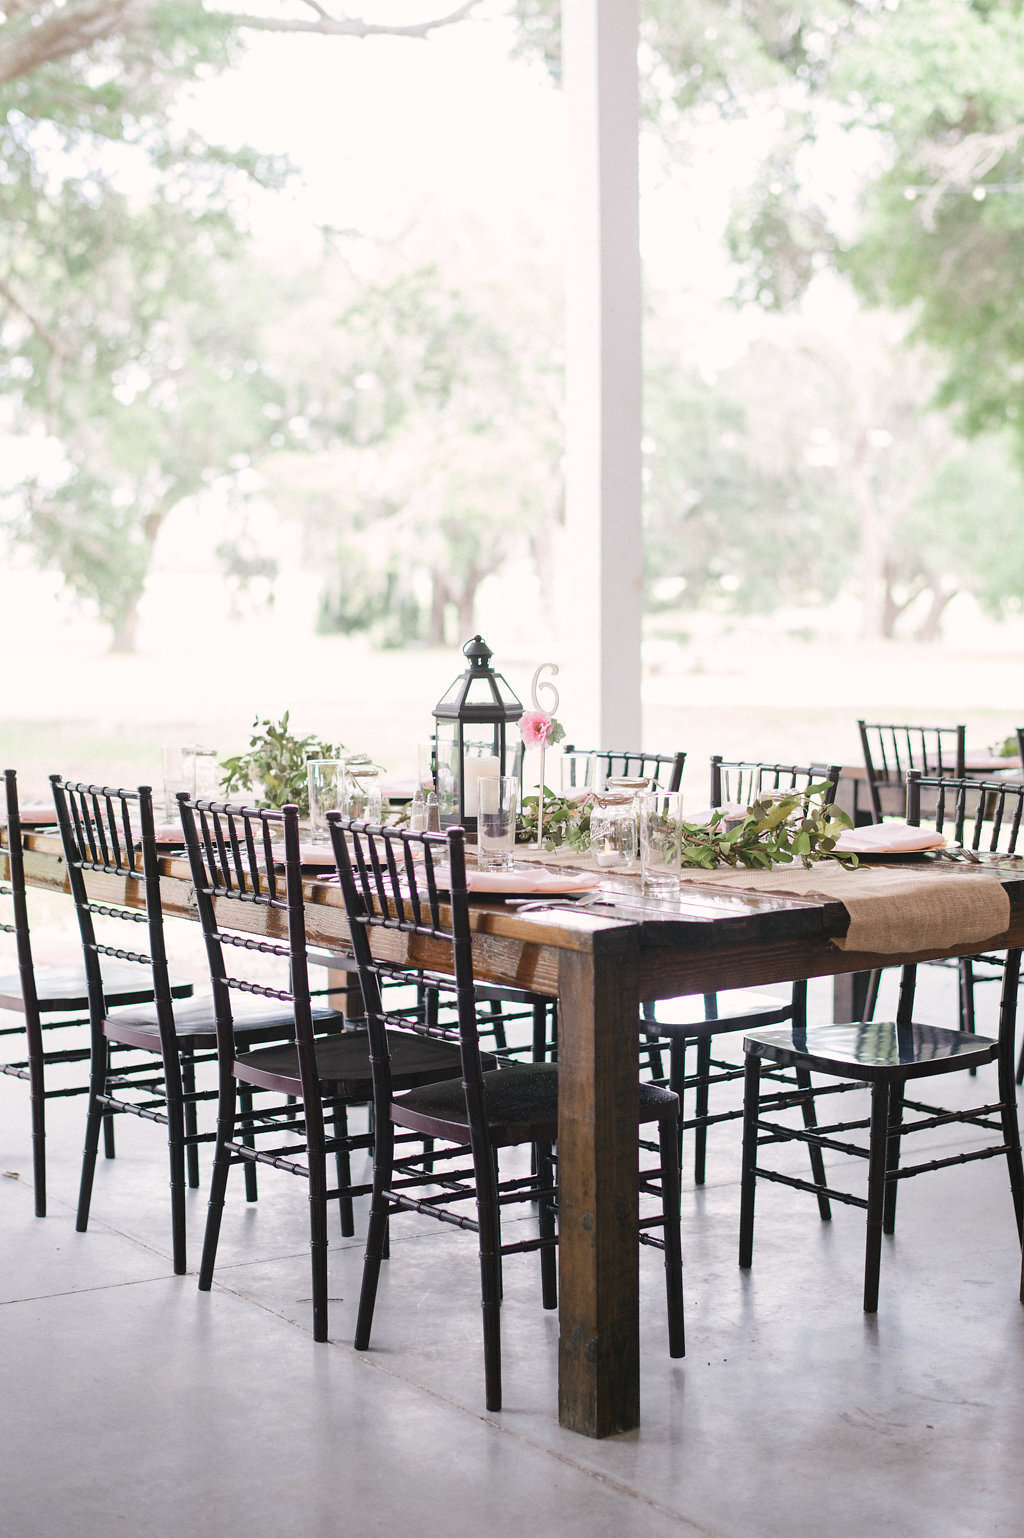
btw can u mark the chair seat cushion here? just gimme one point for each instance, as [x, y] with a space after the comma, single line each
[521, 1102]
[195, 1022]
[343, 1064]
[64, 988]
[872, 1050]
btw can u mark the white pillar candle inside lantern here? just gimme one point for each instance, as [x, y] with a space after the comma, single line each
[477, 766]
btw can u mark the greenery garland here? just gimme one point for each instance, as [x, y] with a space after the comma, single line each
[777, 829]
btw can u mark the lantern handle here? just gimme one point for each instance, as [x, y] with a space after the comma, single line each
[538, 684]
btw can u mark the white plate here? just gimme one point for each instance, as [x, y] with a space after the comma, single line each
[525, 881]
[888, 838]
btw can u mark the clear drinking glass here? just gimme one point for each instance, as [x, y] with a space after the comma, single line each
[362, 796]
[497, 807]
[202, 766]
[326, 780]
[425, 767]
[660, 814]
[578, 774]
[192, 769]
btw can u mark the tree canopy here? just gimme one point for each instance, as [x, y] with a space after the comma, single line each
[421, 447]
[129, 329]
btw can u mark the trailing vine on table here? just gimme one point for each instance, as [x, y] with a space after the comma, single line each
[778, 829]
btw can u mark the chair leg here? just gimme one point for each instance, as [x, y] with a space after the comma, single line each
[546, 1224]
[871, 996]
[176, 1155]
[965, 977]
[700, 1131]
[496, 1022]
[317, 1163]
[651, 1045]
[188, 1083]
[1011, 1136]
[377, 1231]
[245, 1105]
[810, 1120]
[109, 1150]
[490, 1278]
[671, 1198]
[541, 1045]
[892, 1155]
[748, 1178]
[1007, 1095]
[965, 981]
[94, 1118]
[877, 1167]
[37, 1101]
[218, 1186]
[343, 1164]
[677, 1046]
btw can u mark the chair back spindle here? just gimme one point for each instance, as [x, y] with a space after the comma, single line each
[891, 752]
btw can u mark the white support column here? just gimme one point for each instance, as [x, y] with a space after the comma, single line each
[602, 595]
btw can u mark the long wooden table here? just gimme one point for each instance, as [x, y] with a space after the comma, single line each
[600, 963]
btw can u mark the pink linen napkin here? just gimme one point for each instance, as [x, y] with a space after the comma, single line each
[541, 882]
[888, 838]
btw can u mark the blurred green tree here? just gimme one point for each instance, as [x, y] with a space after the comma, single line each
[430, 438]
[893, 155]
[128, 323]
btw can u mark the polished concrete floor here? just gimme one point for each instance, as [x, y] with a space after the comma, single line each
[132, 1404]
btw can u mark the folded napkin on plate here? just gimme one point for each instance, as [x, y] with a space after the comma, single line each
[316, 854]
[888, 838]
[892, 911]
[168, 833]
[543, 882]
[33, 811]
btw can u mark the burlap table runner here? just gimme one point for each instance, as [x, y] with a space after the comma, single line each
[891, 911]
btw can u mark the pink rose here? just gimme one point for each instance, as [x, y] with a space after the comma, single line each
[535, 727]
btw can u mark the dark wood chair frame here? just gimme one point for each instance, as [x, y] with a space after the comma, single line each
[285, 1106]
[665, 768]
[901, 751]
[890, 752]
[885, 1056]
[53, 1003]
[733, 782]
[415, 884]
[143, 1057]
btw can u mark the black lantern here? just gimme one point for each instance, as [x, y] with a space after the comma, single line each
[469, 736]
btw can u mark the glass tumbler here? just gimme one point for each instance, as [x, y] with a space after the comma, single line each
[326, 780]
[578, 775]
[362, 797]
[497, 806]
[660, 815]
[192, 769]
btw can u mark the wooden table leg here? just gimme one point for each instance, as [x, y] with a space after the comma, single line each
[599, 1343]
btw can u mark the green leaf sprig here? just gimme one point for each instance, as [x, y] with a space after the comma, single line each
[566, 821]
[773, 831]
[276, 762]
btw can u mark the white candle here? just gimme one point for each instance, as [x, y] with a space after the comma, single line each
[476, 769]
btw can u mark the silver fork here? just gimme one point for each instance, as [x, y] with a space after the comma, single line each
[560, 900]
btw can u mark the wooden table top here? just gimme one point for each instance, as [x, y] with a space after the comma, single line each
[707, 938]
